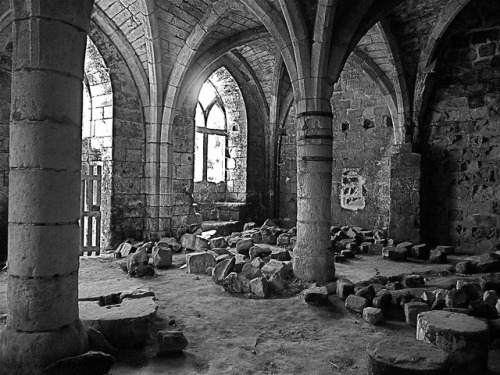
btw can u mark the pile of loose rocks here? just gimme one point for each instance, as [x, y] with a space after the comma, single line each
[404, 297]
[143, 257]
[347, 241]
[255, 262]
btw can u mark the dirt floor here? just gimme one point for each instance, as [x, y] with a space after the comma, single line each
[229, 334]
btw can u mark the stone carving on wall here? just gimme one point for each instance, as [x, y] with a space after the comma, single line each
[352, 190]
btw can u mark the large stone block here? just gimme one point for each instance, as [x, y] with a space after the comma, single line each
[199, 262]
[464, 338]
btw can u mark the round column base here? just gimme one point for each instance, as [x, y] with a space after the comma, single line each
[313, 267]
[23, 353]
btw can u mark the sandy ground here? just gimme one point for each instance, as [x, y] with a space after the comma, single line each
[229, 334]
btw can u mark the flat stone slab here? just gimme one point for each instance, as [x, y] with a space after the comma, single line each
[124, 325]
[405, 356]
[463, 337]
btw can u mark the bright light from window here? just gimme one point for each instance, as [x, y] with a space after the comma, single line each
[198, 158]
[199, 120]
[216, 162]
[207, 94]
[216, 118]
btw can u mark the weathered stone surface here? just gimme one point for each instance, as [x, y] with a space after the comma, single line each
[365, 247]
[259, 287]
[170, 342]
[339, 258]
[375, 249]
[98, 342]
[222, 269]
[421, 251]
[373, 315]
[250, 225]
[483, 310]
[201, 244]
[221, 251]
[268, 236]
[162, 258]
[490, 297]
[285, 268]
[171, 243]
[125, 325]
[347, 254]
[220, 258]
[188, 241]
[135, 260]
[239, 263]
[283, 240]
[281, 255]
[464, 338]
[356, 303]
[383, 300]
[269, 224]
[367, 292]
[447, 249]
[456, 298]
[259, 252]
[395, 253]
[414, 281]
[251, 272]
[258, 262]
[243, 246]
[199, 262]
[438, 256]
[490, 282]
[316, 296]
[233, 283]
[276, 282]
[218, 242]
[412, 309]
[471, 289]
[344, 288]
[489, 262]
[125, 249]
[90, 363]
[136, 293]
[466, 267]
[405, 245]
[386, 356]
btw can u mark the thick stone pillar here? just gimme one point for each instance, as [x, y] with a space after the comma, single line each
[313, 259]
[44, 186]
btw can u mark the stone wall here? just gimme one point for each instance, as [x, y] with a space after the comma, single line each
[127, 198]
[461, 140]
[5, 83]
[363, 136]
[287, 172]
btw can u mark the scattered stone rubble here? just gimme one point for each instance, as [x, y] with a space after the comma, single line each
[255, 262]
[348, 241]
[143, 257]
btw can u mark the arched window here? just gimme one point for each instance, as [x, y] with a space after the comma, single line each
[211, 136]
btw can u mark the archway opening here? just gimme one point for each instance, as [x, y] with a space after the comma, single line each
[220, 149]
[97, 141]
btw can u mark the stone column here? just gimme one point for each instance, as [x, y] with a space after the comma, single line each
[313, 259]
[44, 187]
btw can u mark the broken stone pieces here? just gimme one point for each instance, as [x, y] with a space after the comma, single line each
[96, 363]
[199, 262]
[170, 342]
